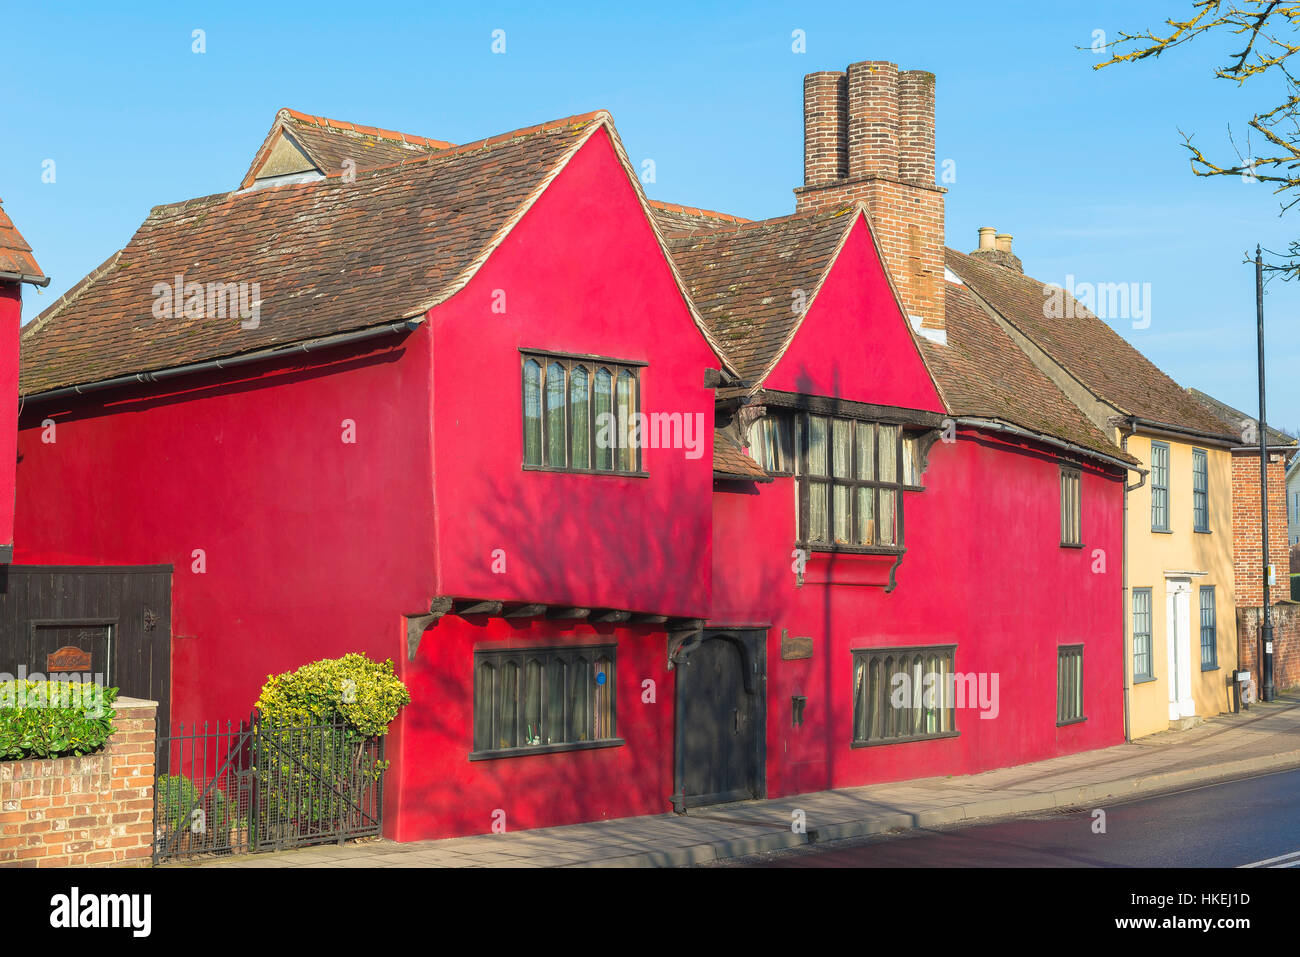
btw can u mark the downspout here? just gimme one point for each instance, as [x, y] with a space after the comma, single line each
[1123, 589]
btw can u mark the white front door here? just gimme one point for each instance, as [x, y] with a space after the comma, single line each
[1178, 639]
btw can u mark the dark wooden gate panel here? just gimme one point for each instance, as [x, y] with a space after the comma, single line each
[720, 718]
[112, 621]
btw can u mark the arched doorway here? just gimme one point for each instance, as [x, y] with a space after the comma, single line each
[720, 717]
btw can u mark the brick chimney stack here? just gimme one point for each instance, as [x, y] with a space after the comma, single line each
[869, 138]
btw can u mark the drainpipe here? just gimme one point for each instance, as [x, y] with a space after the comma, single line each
[1123, 589]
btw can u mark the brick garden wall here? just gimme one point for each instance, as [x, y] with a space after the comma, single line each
[84, 811]
[1247, 533]
[1286, 644]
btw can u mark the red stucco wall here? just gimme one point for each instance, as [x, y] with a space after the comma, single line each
[10, 317]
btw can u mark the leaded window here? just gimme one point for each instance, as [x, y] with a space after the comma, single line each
[850, 483]
[579, 414]
[1069, 684]
[903, 694]
[549, 699]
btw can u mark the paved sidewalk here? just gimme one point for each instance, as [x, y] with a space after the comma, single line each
[1266, 738]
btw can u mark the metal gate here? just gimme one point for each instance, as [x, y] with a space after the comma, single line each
[262, 786]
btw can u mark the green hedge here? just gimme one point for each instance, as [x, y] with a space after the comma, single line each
[366, 695]
[48, 719]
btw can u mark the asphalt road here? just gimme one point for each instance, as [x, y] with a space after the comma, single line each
[1219, 825]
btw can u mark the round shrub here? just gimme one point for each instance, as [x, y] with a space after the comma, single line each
[365, 695]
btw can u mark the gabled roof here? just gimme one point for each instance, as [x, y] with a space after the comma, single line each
[17, 263]
[328, 256]
[742, 278]
[1234, 419]
[982, 373]
[328, 144]
[1091, 351]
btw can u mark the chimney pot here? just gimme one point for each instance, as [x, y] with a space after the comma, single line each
[986, 237]
[1003, 241]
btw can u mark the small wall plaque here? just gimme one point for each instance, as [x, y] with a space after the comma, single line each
[67, 658]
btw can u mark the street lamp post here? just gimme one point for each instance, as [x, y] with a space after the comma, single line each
[1267, 629]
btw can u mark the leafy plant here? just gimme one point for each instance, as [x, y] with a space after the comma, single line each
[365, 695]
[315, 751]
[47, 719]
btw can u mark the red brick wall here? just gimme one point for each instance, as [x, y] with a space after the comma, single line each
[1286, 644]
[1247, 533]
[869, 137]
[84, 811]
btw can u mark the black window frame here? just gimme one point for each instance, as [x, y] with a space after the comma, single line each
[546, 657]
[1210, 629]
[1200, 496]
[1160, 486]
[1069, 685]
[1071, 507]
[1150, 673]
[801, 428]
[593, 365]
[891, 660]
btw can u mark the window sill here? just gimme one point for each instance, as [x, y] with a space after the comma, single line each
[854, 549]
[1202, 531]
[1070, 721]
[1072, 544]
[1213, 667]
[910, 739]
[608, 472]
[1162, 531]
[1144, 681]
[495, 753]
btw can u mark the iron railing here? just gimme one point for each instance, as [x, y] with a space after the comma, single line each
[262, 785]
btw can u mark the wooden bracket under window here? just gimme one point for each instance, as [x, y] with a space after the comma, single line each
[416, 625]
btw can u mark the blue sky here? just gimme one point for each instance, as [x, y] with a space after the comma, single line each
[1083, 167]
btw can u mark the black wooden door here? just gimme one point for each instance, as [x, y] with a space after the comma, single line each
[720, 721]
[112, 624]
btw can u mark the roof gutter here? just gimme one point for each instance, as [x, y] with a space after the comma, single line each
[993, 425]
[231, 362]
[1151, 425]
[24, 277]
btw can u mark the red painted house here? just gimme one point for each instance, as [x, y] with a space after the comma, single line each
[17, 266]
[650, 505]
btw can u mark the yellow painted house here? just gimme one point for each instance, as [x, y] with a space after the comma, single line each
[1177, 598]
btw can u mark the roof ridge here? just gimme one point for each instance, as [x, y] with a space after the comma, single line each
[326, 123]
[697, 211]
[827, 214]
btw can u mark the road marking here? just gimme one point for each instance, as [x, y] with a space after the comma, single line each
[1275, 861]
